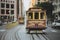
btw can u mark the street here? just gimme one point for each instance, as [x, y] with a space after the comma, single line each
[17, 16]
[19, 33]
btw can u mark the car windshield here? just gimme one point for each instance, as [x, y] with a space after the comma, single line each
[58, 21]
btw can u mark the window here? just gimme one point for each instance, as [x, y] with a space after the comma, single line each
[44, 0]
[38, 0]
[13, 1]
[6, 0]
[59, 0]
[12, 11]
[59, 5]
[7, 11]
[41, 15]
[36, 15]
[1, 0]
[8, 17]
[56, 1]
[52, 0]
[2, 11]
[13, 18]
[59, 14]
[2, 5]
[2, 18]
[12, 5]
[5, 17]
[7, 5]
[30, 15]
[55, 7]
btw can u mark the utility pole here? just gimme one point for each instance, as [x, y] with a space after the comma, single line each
[21, 18]
[21, 8]
[20, 11]
[17, 9]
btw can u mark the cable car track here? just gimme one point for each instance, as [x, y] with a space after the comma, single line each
[42, 36]
[3, 36]
[17, 36]
[14, 35]
[39, 37]
[32, 37]
[45, 36]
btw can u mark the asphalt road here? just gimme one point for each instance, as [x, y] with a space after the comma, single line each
[19, 33]
[11, 34]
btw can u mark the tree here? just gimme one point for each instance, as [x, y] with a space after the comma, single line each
[48, 7]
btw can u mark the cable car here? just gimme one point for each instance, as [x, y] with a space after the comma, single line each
[36, 19]
[21, 20]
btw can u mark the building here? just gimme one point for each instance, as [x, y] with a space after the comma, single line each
[20, 8]
[17, 8]
[47, 5]
[8, 10]
[56, 11]
[33, 2]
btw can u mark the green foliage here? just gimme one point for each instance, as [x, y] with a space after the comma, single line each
[46, 5]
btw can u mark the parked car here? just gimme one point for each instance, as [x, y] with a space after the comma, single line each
[56, 24]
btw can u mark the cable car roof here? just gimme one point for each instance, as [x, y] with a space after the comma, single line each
[36, 9]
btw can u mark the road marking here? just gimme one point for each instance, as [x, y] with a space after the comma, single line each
[53, 31]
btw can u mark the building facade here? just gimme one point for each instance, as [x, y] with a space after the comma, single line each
[20, 8]
[56, 11]
[33, 2]
[8, 10]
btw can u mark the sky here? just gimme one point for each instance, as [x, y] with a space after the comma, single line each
[26, 4]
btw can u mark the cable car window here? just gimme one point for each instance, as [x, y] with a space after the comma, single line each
[36, 15]
[41, 15]
[30, 15]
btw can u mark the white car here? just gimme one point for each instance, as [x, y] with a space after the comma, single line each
[56, 23]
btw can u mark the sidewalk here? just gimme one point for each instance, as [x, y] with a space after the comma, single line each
[9, 25]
